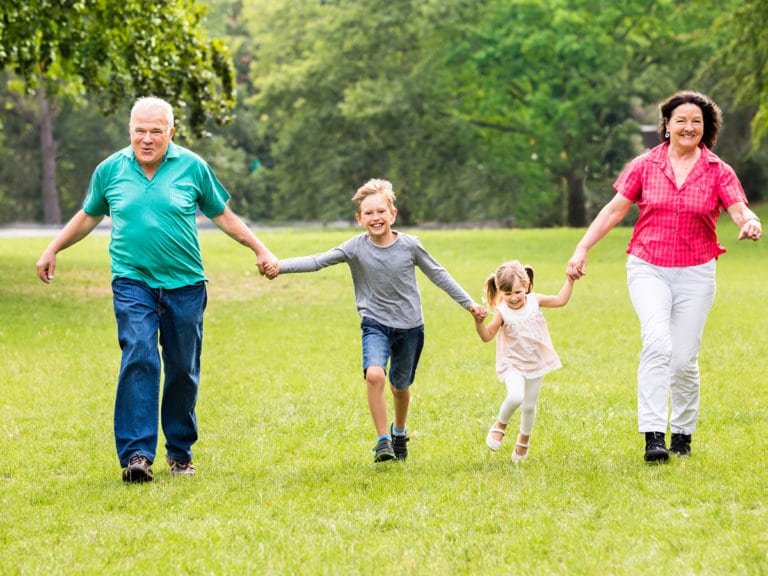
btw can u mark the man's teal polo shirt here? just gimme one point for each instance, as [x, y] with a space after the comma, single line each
[154, 225]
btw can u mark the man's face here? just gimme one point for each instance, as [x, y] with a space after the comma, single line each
[150, 136]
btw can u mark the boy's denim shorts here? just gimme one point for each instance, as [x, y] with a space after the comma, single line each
[400, 346]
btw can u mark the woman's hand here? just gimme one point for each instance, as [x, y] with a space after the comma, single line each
[751, 230]
[577, 265]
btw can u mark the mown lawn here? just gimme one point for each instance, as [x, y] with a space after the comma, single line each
[286, 483]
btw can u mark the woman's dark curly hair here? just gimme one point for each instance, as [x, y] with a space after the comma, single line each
[713, 117]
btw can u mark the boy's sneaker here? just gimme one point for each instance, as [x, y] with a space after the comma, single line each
[680, 444]
[383, 451]
[656, 447]
[139, 469]
[179, 468]
[399, 443]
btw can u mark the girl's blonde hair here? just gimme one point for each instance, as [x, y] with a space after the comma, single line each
[375, 186]
[503, 280]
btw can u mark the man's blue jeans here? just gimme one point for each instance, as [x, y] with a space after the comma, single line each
[142, 314]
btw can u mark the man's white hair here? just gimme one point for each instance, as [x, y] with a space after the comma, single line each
[149, 102]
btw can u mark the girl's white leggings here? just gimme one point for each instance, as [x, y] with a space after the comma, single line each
[672, 305]
[522, 392]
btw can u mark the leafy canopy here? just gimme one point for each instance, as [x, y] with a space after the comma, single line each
[115, 50]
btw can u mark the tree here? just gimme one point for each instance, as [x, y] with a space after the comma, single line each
[239, 149]
[18, 164]
[113, 51]
[742, 62]
[494, 109]
[348, 91]
[735, 74]
[566, 77]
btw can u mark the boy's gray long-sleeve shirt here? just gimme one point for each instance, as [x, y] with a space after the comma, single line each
[384, 277]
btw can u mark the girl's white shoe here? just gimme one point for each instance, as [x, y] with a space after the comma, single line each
[520, 457]
[492, 442]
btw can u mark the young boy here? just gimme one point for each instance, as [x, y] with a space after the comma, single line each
[383, 265]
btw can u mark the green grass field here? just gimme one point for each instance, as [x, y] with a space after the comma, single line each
[286, 483]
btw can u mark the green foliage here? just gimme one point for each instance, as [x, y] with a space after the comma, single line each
[518, 112]
[115, 50]
[19, 168]
[513, 111]
[6, 204]
[563, 77]
[286, 482]
[734, 72]
[349, 93]
[85, 138]
[742, 61]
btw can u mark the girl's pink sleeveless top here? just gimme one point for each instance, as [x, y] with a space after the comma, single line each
[523, 343]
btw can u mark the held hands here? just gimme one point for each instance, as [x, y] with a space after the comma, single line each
[478, 312]
[577, 265]
[266, 261]
[271, 270]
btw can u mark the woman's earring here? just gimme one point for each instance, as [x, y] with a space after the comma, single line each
[666, 135]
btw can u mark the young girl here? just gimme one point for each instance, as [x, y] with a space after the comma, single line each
[524, 352]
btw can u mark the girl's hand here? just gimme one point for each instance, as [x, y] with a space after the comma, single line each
[478, 312]
[577, 265]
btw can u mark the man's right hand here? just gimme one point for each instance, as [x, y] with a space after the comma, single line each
[46, 265]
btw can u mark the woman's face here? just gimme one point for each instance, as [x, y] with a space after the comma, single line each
[685, 126]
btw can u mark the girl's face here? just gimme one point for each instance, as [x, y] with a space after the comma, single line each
[377, 217]
[686, 126]
[515, 298]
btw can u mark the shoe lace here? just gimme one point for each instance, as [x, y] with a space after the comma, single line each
[178, 466]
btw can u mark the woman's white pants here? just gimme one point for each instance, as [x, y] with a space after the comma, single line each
[672, 305]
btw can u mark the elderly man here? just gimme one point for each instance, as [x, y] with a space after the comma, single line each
[152, 190]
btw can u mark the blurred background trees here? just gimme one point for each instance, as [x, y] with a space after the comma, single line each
[100, 55]
[510, 112]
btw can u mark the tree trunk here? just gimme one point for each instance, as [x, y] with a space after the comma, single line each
[48, 147]
[577, 210]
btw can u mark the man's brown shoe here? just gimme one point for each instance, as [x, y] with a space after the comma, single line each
[179, 468]
[139, 469]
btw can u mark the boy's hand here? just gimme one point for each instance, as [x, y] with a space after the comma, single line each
[263, 259]
[272, 269]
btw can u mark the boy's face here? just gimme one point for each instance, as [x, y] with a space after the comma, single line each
[377, 217]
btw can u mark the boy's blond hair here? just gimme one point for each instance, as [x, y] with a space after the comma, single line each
[375, 186]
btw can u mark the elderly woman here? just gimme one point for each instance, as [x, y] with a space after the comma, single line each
[680, 187]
